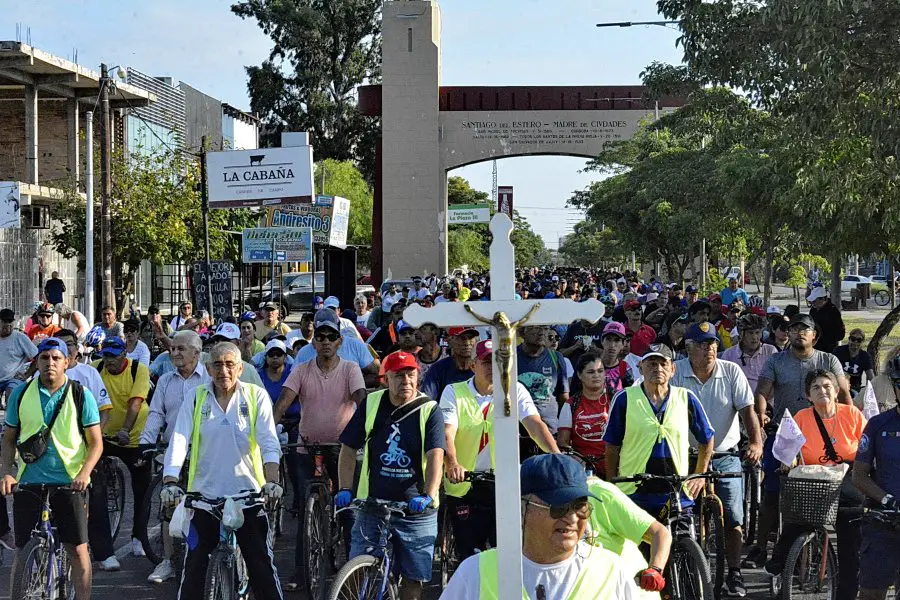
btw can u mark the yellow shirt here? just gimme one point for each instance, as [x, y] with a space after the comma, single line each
[121, 388]
[262, 330]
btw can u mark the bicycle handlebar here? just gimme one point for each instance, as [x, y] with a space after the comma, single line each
[480, 476]
[219, 503]
[675, 479]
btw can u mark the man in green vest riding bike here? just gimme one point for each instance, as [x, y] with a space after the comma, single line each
[468, 411]
[556, 562]
[402, 435]
[73, 446]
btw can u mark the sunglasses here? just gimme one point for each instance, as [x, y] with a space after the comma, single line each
[327, 337]
[858, 340]
[581, 507]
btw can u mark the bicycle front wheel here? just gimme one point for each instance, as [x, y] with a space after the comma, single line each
[688, 575]
[882, 297]
[713, 542]
[317, 542]
[151, 523]
[220, 576]
[810, 571]
[363, 578]
[446, 547]
[115, 496]
[33, 576]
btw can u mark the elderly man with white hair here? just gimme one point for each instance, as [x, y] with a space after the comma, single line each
[172, 389]
[227, 427]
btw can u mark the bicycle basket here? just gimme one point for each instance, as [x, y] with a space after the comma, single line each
[809, 501]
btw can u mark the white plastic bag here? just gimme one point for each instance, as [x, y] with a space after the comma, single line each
[181, 520]
[232, 515]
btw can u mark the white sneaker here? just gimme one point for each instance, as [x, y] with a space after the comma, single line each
[162, 572]
[110, 564]
[137, 549]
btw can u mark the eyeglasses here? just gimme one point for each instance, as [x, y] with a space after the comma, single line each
[327, 337]
[553, 338]
[581, 507]
[225, 365]
[858, 340]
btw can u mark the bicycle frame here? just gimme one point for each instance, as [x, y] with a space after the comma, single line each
[44, 529]
[380, 550]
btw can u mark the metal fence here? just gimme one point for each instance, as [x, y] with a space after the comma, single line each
[174, 283]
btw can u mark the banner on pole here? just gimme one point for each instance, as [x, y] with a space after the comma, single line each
[276, 244]
[10, 207]
[327, 216]
[505, 200]
[459, 214]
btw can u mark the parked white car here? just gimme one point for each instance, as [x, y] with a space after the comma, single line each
[850, 282]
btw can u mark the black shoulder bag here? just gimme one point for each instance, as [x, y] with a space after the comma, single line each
[850, 494]
[35, 447]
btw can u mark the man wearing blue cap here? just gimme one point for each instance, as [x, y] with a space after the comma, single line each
[52, 400]
[348, 327]
[556, 563]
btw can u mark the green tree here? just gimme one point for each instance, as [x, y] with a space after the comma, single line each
[343, 179]
[323, 51]
[460, 191]
[590, 245]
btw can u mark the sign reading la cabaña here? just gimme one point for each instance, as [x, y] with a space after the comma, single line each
[261, 177]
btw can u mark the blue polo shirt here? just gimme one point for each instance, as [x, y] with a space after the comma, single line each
[652, 496]
[49, 468]
[879, 446]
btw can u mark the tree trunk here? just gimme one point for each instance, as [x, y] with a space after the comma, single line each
[767, 270]
[884, 329]
[836, 279]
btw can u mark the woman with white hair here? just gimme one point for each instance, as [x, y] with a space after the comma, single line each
[72, 320]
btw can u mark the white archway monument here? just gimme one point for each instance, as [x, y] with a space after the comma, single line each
[506, 424]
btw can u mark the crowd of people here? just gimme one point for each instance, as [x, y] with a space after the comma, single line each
[666, 382]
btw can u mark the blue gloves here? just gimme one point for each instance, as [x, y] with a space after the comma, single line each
[420, 503]
[342, 499]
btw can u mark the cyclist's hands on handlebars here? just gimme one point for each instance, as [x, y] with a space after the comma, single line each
[651, 580]
[420, 503]
[695, 487]
[7, 484]
[122, 437]
[753, 453]
[342, 498]
[171, 494]
[272, 492]
[456, 473]
[81, 481]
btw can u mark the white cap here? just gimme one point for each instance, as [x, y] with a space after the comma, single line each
[229, 331]
[816, 293]
[652, 296]
[773, 310]
[277, 344]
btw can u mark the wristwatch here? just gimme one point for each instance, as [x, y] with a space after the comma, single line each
[887, 500]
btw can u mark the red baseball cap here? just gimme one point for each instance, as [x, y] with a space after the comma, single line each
[397, 361]
[484, 349]
[632, 304]
[715, 296]
[460, 330]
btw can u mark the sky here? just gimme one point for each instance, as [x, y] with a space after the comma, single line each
[485, 42]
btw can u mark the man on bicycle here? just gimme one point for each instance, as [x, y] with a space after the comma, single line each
[468, 412]
[403, 440]
[128, 384]
[227, 427]
[171, 391]
[556, 562]
[648, 431]
[328, 389]
[73, 447]
[724, 392]
[876, 473]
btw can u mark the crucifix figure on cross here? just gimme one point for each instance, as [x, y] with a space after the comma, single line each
[508, 314]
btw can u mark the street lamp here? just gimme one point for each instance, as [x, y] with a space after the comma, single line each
[637, 23]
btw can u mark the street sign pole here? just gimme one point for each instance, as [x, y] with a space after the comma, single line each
[204, 206]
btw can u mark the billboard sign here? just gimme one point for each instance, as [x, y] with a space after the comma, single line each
[10, 207]
[459, 214]
[276, 244]
[261, 177]
[505, 200]
[327, 216]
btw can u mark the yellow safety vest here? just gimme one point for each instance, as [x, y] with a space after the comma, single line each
[200, 397]
[66, 435]
[596, 580]
[472, 425]
[373, 401]
[643, 430]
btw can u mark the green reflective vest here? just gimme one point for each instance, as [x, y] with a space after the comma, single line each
[472, 425]
[248, 395]
[66, 434]
[643, 430]
[373, 401]
[596, 581]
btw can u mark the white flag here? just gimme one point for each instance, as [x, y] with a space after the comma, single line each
[788, 440]
[870, 404]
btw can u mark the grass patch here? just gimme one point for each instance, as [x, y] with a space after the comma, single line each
[868, 327]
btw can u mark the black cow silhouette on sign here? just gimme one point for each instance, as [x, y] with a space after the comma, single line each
[256, 159]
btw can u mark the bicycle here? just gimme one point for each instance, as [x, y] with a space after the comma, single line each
[226, 573]
[370, 576]
[113, 472]
[154, 516]
[752, 500]
[688, 574]
[445, 545]
[44, 571]
[589, 462]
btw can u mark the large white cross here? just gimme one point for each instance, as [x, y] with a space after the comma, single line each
[506, 427]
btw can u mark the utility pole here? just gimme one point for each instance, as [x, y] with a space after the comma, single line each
[90, 307]
[108, 294]
[204, 207]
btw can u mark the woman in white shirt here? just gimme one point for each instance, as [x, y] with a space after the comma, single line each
[135, 348]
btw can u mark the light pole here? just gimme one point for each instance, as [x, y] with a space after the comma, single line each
[107, 292]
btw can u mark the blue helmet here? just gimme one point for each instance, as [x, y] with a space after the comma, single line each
[95, 337]
[248, 315]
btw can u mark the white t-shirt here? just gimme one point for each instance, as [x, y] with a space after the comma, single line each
[141, 353]
[89, 377]
[348, 329]
[558, 579]
[451, 415]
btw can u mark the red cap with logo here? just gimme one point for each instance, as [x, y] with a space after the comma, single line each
[460, 330]
[397, 361]
[484, 349]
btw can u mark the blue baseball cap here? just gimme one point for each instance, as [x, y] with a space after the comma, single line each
[113, 346]
[701, 332]
[332, 302]
[53, 343]
[556, 479]
[403, 326]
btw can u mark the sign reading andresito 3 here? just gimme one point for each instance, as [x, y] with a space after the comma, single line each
[261, 177]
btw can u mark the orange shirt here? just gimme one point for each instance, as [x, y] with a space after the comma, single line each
[38, 333]
[846, 428]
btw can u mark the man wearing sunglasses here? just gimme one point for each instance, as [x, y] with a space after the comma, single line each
[855, 360]
[556, 562]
